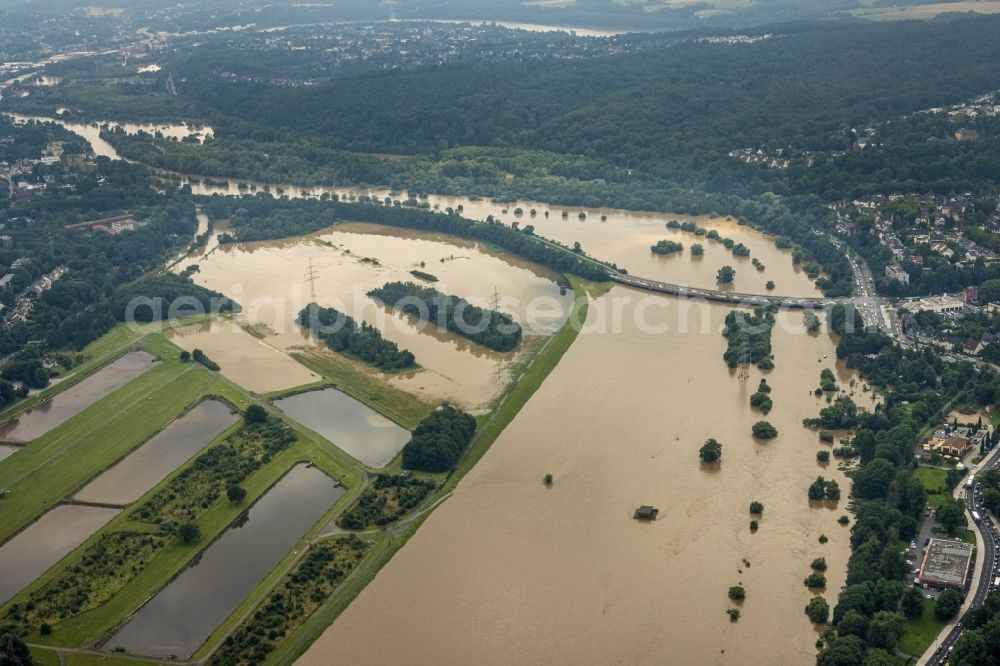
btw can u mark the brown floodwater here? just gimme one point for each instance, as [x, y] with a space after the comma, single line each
[250, 362]
[267, 279]
[31, 552]
[182, 615]
[564, 574]
[353, 426]
[142, 469]
[38, 420]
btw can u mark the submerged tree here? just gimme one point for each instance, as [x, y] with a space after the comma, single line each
[711, 451]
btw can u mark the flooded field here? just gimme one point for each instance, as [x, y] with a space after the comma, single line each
[252, 363]
[38, 420]
[352, 426]
[29, 554]
[267, 279]
[181, 616]
[142, 469]
[563, 574]
[7, 450]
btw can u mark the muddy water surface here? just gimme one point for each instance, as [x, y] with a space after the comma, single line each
[142, 469]
[352, 426]
[38, 420]
[31, 552]
[564, 574]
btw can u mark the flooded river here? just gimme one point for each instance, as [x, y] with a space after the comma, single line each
[352, 426]
[267, 280]
[142, 469]
[38, 420]
[181, 616]
[45, 542]
[564, 574]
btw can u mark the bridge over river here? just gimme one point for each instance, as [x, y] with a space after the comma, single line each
[812, 303]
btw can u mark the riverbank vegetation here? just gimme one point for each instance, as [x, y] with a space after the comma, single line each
[386, 500]
[493, 329]
[363, 341]
[292, 601]
[748, 337]
[439, 441]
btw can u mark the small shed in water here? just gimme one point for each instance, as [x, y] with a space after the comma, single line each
[645, 512]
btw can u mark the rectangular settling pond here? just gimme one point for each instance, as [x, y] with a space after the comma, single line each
[7, 450]
[46, 541]
[353, 426]
[38, 420]
[182, 615]
[142, 469]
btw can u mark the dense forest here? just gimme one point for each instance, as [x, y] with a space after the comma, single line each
[439, 440]
[490, 328]
[363, 341]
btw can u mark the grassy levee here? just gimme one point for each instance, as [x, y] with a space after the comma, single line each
[507, 407]
[60, 461]
[367, 387]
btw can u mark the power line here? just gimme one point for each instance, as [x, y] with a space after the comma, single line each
[310, 278]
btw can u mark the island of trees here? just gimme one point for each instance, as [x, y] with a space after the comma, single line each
[362, 341]
[764, 430]
[725, 275]
[711, 451]
[666, 247]
[439, 440]
[490, 328]
[749, 337]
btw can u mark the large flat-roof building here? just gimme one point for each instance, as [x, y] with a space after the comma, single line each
[937, 304]
[945, 563]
